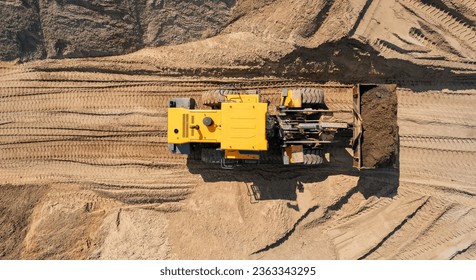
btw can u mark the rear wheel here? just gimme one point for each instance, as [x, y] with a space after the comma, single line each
[214, 98]
[313, 157]
[211, 155]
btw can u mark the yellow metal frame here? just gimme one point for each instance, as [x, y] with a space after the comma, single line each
[293, 100]
[182, 126]
[236, 154]
[244, 126]
[239, 125]
[242, 98]
[295, 153]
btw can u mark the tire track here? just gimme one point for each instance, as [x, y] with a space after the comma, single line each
[412, 230]
[437, 44]
[18, 135]
[373, 228]
[138, 139]
[71, 198]
[441, 99]
[147, 191]
[141, 196]
[460, 30]
[441, 235]
[452, 62]
[420, 37]
[437, 107]
[85, 101]
[438, 143]
[446, 193]
[470, 4]
[461, 118]
[122, 184]
[88, 149]
[462, 182]
[449, 166]
[173, 185]
[347, 216]
[431, 158]
[395, 231]
[468, 253]
[59, 97]
[429, 53]
[103, 172]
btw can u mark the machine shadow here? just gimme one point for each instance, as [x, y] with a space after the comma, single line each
[274, 181]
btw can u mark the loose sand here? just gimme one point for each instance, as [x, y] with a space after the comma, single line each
[86, 173]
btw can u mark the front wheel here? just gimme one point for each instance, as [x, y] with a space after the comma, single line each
[312, 96]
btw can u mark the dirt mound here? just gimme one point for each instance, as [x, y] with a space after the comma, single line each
[421, 31]
[21, 35]
[34, 29]
[380, 129]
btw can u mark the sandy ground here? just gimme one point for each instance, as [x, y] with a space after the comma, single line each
[86, 173]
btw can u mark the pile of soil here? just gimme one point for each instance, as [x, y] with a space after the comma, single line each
[380, 128]
[36, 29]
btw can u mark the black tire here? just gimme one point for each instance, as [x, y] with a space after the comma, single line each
[313, 157]
[272, 156]
[210, 155]
[214, 98]
[312, 96]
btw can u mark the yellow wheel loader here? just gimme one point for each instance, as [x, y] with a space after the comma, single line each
[238, 129]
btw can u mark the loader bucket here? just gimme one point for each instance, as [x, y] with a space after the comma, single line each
[357, 128]
[375, 129]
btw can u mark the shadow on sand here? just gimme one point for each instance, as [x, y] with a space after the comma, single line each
[274, 181]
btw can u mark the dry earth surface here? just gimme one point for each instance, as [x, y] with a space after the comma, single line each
[84, 167]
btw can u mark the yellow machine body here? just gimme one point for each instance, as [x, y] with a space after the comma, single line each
[182, 126]
[236, 154]
[293, 99]
[237, 130]
[239, 126]
[244, 126]
[295, 153]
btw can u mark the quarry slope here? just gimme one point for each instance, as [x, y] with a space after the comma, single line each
[83, 158]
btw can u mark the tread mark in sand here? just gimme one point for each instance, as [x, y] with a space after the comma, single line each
[464, 32]
[445, 234]
[414, 228]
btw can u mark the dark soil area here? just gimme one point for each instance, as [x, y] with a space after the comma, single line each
[379, 117]
[36, 29]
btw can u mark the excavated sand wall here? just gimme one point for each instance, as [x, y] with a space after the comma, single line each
[35, 29]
